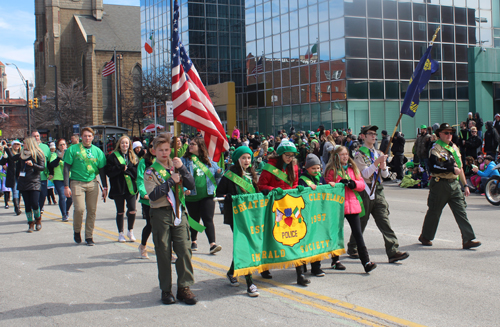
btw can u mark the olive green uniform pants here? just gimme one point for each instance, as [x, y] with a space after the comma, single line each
[379, 209]
[446, 191]
[164, 235]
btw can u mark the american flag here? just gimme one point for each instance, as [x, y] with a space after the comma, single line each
[191, 102]
[109, 68]
[259, 68]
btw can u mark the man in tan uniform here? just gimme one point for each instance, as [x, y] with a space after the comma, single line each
[168, 228]
[445, 164]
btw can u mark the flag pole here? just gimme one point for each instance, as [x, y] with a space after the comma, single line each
[116, 87]
[176, 127]
[397, 123]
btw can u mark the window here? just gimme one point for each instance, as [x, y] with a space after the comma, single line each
[355, 48]
[404, 10]
[374, 28]
[376, 69]
[405, 50]
[356, 68]
[405, 31]
[391, 69]
[391, 49]
[390, 29]
[390, 9]
[375, 48]
[355, 27]
[107, 99]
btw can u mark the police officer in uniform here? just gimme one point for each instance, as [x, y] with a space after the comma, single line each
[446, 168]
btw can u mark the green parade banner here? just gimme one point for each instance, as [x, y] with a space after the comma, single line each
[287, 228]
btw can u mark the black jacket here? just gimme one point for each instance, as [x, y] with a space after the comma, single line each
[31, 181]
[227, 188]
[10, 178]
[471, 146]
[116, 173]
[491, 138]
[398, 144]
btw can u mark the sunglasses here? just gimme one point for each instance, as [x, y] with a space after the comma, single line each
[447, 133]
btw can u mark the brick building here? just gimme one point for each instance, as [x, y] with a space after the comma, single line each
[79, 38]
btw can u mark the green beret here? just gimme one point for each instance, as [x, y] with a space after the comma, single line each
[241, 151]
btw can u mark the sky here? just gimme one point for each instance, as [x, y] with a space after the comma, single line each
[17, 35]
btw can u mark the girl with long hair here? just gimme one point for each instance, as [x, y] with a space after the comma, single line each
[282, 171]
[11, 156]
[121, 168]
[29, 167]
[342, 169]
[147, 160]
[241, 178]
[199, 201]
[56, 169]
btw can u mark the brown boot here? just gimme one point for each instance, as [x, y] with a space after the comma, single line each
[184, 294]
[31, 227]
[38, 223]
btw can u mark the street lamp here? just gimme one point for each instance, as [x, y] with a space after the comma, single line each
[57, 122]
[28, 85]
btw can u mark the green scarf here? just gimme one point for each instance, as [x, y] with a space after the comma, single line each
[244, 184]
[278, 173]
[128, 179]
[452, 150]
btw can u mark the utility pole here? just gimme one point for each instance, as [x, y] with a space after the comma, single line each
[28, 110]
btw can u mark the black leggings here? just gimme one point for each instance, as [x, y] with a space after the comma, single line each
[204, 210]
[355, 224]
[146, 231]
[120, 200]
[31, 200]
[6, 197]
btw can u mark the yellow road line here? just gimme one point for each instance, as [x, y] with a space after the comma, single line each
[106, 234]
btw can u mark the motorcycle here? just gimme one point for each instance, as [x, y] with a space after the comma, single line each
[492, 189]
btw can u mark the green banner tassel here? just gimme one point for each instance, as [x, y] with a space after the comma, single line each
[196, 225]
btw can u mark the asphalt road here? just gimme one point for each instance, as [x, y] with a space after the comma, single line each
[48, 280]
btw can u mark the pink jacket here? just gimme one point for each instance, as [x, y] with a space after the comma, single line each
[351, 203]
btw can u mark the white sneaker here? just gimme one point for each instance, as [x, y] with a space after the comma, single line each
[121, 238]
[131, 236]
[252, 291]
[143, 252]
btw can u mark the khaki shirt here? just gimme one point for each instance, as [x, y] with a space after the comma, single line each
[150, 182]
[366, 167]
[444, 155]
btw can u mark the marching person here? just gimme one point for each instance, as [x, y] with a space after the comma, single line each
[368, 160]
[312, 178]
[56, 169]
[147, 160]
[199, 202]
[84, 161]
[168, 226]
[29, 168]
[121, 168]
[282, 172]
[444, 188]
[342, 169]
[43, 176]
[241, 178]
[13, 155]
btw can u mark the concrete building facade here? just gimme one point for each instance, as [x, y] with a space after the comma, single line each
[79, 37]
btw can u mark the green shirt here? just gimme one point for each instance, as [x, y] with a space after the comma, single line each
[180, 151]
[83, 165]
[200, 181]
[46, 151]
[58, 171]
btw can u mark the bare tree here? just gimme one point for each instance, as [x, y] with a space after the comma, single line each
[73, 106]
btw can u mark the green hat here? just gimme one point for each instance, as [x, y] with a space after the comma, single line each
[410, 165]
[256, 133]
[270, 149]
[344, 133]
[231, 148]
[286, 146]
[423, 127]
[241, 151]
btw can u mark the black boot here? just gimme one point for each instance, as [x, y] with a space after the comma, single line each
[365, 259]
[301, 279]
[16, 206]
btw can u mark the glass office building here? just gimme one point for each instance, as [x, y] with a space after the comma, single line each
[213, 31]
[348, 63]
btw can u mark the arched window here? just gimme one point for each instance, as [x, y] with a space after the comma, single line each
[107, 99]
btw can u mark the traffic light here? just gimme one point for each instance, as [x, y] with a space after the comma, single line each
[30, 104]
[36, 105]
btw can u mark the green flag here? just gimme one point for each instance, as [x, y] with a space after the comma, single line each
[287, 229]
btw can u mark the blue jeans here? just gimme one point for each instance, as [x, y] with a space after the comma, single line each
[43, 195]
[64, 202]
[15, 191]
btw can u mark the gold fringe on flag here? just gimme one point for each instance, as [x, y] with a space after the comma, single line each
[287, 264]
